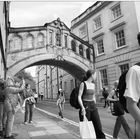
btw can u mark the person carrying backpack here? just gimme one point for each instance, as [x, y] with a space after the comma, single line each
[118, 111]
[87, 102]
[132, 93]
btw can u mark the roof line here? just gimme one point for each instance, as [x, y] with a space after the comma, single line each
[86, 10]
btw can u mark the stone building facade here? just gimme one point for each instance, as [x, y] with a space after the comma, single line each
[112, 27]
[50, 79]
[4, 20]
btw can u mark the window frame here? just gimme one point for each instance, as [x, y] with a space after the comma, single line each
[40, 43]
[97, 41]
[88, 56]
[102, 81]
[58, 37]
[114, 30]
[29, 38]
[80, 30]
[112, 11]
[73, 48]
[118, 70]
[95, 28]
[120, 39]
[50, 37]
[122, 64]
[81, 50]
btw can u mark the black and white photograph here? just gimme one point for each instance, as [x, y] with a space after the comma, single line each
[69, 69]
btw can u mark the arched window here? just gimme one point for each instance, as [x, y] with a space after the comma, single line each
[15, 44]
[11, 45]
[81, 49]
[73, 45]
[58, 37]
[40, 40]
[88, 53]
[30, 41]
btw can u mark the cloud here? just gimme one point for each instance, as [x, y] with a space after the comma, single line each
[38, 13]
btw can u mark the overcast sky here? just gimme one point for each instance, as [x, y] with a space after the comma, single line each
[23, 14]
[38, 13]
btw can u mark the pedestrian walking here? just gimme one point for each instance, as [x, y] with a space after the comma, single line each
[120, 119]
[105, 95]
[35, 96]
[42, 95]
[11, 100]
[88, 103]
[2, 98]
[29, 102]
[60, 102]
[132, 94]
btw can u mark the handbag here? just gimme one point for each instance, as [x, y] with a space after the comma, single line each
[116, 108]
[87, 129]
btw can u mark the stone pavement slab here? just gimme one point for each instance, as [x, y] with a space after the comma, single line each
[42, 128]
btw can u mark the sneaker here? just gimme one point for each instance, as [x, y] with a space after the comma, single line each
[25, 123]
[31, 122]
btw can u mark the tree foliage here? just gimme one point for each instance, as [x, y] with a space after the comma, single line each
[26, 76]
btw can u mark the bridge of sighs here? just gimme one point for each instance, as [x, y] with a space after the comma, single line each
[52, 44]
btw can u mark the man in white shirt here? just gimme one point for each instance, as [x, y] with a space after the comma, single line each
[132, 93]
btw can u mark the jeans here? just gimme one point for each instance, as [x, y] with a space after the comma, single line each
[93, 115]
[1, 116]
[36, 100]
[28, 112]
[106, 102]
[120, 120]
[8, 122]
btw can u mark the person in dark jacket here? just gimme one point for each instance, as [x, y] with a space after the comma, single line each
[105, 95]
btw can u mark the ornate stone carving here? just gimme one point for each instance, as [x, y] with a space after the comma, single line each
[14, 57]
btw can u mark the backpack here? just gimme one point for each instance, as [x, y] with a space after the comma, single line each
[105, 94]
[74, 97]
[121, 89]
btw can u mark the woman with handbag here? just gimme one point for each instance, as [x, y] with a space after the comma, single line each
[29, 104]
[60, 102]
[117, 110]
[87, 103]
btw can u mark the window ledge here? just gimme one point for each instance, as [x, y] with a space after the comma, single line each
[14, 51]
[97, 29]
[125, 46]
[117, 18]
[28, 49]
[98, 55]
[40, 47]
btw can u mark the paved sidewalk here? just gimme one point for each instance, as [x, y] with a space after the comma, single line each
[43, 127]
